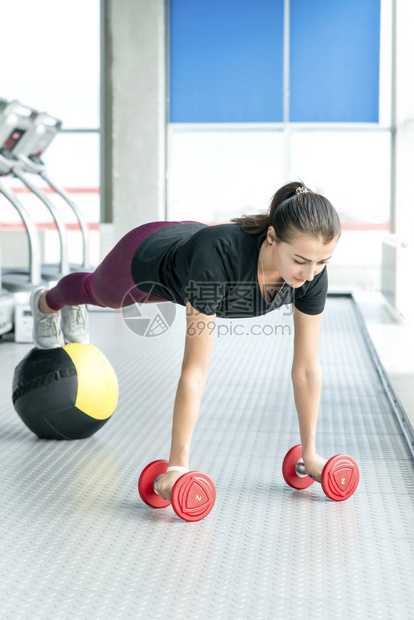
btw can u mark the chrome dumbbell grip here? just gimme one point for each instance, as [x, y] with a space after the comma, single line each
[183, 470]
[300, 469]
[155, 482]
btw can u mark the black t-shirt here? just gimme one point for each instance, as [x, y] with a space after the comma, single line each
[215, 269]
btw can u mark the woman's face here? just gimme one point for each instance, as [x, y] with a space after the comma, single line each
[301, 260]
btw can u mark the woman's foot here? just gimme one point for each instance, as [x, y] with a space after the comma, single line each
[75, 325]
[47, 333]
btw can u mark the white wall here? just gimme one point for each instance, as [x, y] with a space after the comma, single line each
[405, 159]
[137, 134]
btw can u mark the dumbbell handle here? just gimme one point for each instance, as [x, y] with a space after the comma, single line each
[301, 471]
[155, 482]
[183, 470]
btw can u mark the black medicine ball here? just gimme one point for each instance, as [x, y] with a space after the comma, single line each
[65, 393]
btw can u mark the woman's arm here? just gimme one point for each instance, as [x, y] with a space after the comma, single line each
[307, 377]
[307, 390]
[200, 332]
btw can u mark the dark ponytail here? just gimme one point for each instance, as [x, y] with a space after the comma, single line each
[292, 213]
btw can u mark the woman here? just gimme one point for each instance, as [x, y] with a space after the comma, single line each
[245, 268]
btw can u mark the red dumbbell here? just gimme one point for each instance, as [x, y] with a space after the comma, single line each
[339, 479]
[193, 494]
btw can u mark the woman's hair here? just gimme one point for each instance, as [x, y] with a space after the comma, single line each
[292, 213]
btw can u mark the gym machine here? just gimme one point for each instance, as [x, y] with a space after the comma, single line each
[18, 279]
[6, 309]
[15, 121]
[29, 150]
[24, 136]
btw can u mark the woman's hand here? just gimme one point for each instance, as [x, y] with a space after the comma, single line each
[165, 483]
[314, 465]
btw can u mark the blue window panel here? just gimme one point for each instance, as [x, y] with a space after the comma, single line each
[334, 60]
[226, 61]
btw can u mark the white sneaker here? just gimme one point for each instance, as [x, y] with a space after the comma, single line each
[75, 324]
[47, 333]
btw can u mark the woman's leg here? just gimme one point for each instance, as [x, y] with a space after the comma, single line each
[109, 284]
[75, 289]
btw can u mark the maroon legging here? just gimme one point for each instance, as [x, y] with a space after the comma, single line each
[109, 284]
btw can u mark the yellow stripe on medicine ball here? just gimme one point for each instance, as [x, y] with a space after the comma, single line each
[97, 394]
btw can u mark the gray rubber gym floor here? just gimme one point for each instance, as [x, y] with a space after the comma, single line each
[78, 543]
